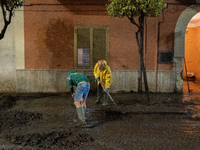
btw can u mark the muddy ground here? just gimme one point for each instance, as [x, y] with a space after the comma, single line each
[46, 121]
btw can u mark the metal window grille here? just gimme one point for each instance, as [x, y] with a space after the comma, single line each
[166, 57]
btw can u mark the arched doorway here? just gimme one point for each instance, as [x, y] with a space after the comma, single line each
[191, 70]
[179, 44]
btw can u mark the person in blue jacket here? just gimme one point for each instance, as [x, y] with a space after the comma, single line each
[80, 95]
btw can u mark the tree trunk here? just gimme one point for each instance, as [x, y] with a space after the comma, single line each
[140, 40]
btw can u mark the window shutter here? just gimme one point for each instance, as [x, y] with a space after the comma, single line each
[90, 45]
[99, 45]
[83, 38]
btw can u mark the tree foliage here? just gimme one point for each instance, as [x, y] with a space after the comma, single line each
[121, 8]
[8, 7]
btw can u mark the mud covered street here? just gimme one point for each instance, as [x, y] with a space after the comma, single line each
[46, 121]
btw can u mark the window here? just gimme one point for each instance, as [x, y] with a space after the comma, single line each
[165, 57]
[90, 45]
[83, 57]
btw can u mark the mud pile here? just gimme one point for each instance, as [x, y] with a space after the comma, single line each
[7, 102]
[55, 139]
[12, 124]
[12, 119]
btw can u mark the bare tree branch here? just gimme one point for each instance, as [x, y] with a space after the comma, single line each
[8, 11]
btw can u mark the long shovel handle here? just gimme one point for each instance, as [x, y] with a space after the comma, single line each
[110, 97]
[107, 93]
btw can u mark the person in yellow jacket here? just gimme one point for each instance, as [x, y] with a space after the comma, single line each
[103, 76]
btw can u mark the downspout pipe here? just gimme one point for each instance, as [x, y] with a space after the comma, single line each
[156, 59]
[175, 88]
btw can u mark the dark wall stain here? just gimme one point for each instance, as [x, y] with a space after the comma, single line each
[86, 7]
[87, 2]
[59, 44]
[186, 2]
[170, 41]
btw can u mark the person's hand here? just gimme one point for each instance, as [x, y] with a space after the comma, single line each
[107, 90]
[97, 79]
[72, 94]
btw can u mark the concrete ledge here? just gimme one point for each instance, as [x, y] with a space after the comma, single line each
[33, 81]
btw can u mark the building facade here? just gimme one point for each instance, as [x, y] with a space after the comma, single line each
[48, 38]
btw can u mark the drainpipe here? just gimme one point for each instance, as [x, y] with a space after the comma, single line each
[139, 75]
[161, 20]
[144, 38]
[144, 42]
[175, 88]
[156, 60]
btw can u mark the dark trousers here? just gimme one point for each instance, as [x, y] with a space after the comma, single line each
[100, 89]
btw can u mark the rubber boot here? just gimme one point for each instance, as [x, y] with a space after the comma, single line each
[98, 97]
[105, 103]
[81, 116]
[84, 113]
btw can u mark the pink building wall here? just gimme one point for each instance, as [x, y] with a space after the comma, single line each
[49, 35]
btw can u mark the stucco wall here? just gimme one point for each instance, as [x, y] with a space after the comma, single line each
[55, 81]
[7, 59]
[49, 44]
[42, 48]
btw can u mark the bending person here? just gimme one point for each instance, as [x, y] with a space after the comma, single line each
[81, 93]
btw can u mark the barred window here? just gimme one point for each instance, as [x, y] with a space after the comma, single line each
[90, 45]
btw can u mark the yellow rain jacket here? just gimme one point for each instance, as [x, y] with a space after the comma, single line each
[105, 75]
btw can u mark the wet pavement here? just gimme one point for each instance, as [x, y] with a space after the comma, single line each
[46, 121]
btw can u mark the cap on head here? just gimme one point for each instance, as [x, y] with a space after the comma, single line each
[72, 71]
[101, 64]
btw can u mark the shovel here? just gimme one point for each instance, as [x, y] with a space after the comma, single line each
[110, 96]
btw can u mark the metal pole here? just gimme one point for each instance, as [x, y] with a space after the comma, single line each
[175, 89]
[139, 76]
[186, 76]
